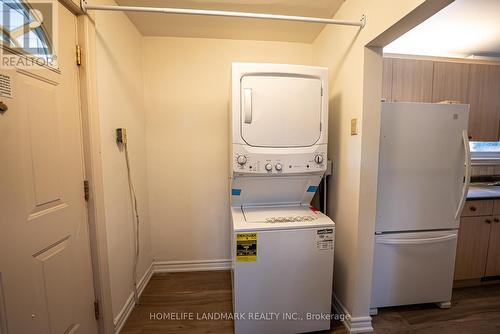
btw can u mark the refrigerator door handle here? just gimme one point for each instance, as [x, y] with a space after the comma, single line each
[465, 187]
[416, 241]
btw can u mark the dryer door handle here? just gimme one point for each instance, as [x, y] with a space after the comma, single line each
[247, 104]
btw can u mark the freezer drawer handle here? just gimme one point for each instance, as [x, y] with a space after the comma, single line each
[465, 187]
[416, 241]
[247, 104]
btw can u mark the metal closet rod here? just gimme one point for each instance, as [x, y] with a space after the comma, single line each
[360, 23]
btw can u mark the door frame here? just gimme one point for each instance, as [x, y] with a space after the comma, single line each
[92, 164]
[93, 171]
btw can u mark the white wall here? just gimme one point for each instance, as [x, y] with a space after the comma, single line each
[355, 90]
[120, 101]
[187, 97]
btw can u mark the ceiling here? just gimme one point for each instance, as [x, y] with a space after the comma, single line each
[466, 28]
[153, 24]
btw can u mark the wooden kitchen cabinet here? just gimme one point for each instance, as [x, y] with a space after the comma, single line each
[416, 80]
[387, 80]
[493, 261]
[496, 207]
[472, 247]
[411, 80]
[479, 208]
[484, 99]
[450, 82]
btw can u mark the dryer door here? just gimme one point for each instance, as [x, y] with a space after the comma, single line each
[280, 110]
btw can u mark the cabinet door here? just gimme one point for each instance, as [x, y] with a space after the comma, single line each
[493, 263]
[484, 99]
[411, 80]
[496, 207]
[387, 80]
[472, 247]
[451, 82]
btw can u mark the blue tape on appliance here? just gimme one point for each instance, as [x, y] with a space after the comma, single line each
[236, 192]
[312, 189]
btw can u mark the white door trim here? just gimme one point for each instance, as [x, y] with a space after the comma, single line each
[93, 171]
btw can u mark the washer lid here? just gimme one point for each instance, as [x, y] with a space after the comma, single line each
[280, 110]
[246, 219]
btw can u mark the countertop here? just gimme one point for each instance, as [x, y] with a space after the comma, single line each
[483, 191]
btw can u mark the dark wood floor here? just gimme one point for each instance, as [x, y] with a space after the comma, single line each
[474, 310]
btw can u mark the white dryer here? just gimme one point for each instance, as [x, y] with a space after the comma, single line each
[282, 249]
[279, 118]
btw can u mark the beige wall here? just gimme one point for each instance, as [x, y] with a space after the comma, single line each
[121, 104]
[355, 90]
[187, 95]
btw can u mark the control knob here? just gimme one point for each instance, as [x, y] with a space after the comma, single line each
[318, 159]
[268, 167]
[278, 167]
[241, 160]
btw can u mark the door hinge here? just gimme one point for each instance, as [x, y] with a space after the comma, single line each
[97, 313]
[321, 91]
[86, 189]
[78, 55]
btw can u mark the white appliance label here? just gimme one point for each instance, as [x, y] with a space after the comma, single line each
[324, 239]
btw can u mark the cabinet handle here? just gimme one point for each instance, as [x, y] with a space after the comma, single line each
[473, 208]
[496, 220]
[488, 221]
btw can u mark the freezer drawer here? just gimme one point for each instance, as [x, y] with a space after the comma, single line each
[413, 268]
[290, 276]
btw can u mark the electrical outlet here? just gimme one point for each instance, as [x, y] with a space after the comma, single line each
[121, 136]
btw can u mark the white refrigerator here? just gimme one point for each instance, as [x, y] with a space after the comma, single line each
[423, 178]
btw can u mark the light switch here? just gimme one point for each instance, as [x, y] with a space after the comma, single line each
[354, 127]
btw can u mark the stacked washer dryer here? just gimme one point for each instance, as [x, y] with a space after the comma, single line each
[282, 249]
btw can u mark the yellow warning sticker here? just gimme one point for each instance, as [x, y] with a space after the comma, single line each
[246, 247]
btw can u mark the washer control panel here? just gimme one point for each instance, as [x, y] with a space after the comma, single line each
[287, 164]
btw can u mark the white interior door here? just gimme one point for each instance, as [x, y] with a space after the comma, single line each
[280, 111]
[46, 274]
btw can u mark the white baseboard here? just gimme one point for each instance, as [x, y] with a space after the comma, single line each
[353, 325]
[145, 279]
[121, 318]
[199, 265]
[128, 307]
